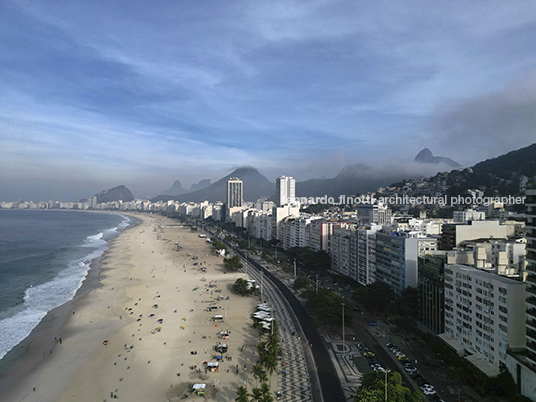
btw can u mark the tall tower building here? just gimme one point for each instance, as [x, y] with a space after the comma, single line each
[530, 213]
[234, 193]
[285, 190]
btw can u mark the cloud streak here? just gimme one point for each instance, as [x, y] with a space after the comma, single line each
[143, 94]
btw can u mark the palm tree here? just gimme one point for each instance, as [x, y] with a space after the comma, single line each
[256, 395]
[243, 395]
[266, 394]
[263, 377]
[256, 370]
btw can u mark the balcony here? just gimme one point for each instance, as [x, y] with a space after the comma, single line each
[531, 323]
[531, 300]
[531, 345]
[531, 289]
[531, 334]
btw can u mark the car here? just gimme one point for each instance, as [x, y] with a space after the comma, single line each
[415, 375]
[427, 389]
[389, 344]
[373, 323]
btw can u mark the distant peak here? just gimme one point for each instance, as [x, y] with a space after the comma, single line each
[426, 156]
[246, 169]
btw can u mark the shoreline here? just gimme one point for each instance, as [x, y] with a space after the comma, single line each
[139, 266]
[21, 361]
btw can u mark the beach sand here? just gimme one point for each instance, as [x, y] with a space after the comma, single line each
[141, 269]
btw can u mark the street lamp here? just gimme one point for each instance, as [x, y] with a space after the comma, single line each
[343, 340]
[386, 371]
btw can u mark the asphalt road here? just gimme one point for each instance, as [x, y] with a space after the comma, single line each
[386, 358]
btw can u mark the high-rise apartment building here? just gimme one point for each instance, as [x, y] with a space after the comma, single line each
[235, 195]
[530, 213]
[285, 190]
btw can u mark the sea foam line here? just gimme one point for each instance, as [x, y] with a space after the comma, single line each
[40, 299]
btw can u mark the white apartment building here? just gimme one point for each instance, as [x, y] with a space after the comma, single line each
[453, 235]
[280, 213]
[484, 315]
[293, 231]
[502, 256]
[235, 195]
[468, 215]
[353, 252]
[285, 188]
[260, 224]
[366, 254]
[319, 233]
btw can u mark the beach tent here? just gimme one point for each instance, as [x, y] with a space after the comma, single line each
[199, 389]
[222, 348]
[213, 366]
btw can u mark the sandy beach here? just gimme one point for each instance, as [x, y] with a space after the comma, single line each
[144, 279]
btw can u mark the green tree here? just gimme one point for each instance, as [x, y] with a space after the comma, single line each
[232, 264]
[242, 393]
[241, 286]
[373, 389]
[302, 282]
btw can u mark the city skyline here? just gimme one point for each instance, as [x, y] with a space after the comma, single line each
[97, 95]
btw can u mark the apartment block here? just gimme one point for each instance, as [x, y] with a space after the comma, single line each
[484, 316]
[368, 214]
[453, 235]
[396, 259]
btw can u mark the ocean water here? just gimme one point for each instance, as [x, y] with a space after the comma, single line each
[44, 258]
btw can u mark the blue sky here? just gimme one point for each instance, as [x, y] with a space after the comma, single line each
[97, 94]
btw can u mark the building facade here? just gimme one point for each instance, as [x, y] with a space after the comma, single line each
[285, 188]
[483, 315]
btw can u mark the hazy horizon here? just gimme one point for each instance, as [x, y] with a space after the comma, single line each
[95, 95]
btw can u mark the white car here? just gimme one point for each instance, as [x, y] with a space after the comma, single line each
[427, 389]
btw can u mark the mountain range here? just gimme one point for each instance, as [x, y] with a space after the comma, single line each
[495, 176]
[352, 179]
[255, 186]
